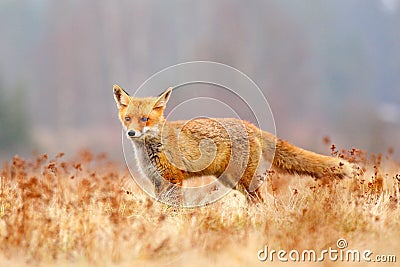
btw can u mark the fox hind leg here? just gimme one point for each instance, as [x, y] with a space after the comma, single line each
[250, 186]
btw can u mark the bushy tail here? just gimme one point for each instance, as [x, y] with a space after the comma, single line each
[294, 160]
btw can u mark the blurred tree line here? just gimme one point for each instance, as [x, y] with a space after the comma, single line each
[326, 66]
[14, 123]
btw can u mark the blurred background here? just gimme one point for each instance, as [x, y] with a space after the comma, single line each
[328, 68]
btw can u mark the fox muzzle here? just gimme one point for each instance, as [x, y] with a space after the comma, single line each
[132, 134]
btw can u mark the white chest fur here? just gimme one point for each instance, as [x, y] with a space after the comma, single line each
[144, 163]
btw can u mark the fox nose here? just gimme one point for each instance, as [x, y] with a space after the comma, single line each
[131, 133]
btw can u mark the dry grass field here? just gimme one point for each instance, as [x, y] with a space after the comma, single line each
[87, 211]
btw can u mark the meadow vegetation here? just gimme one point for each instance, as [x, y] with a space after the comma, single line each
[87, 210]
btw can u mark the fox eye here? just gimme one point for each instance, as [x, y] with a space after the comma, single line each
[127, 118]
[144, 119]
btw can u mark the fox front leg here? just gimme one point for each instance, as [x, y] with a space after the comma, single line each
[168, 192]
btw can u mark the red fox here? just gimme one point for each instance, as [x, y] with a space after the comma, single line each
[234, 151]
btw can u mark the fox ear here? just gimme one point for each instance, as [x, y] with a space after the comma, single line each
[163, 99]
[121, 97]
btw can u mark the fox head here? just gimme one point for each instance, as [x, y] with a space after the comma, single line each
[140, 116]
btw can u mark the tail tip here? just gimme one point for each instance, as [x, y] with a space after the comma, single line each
[350, 170]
